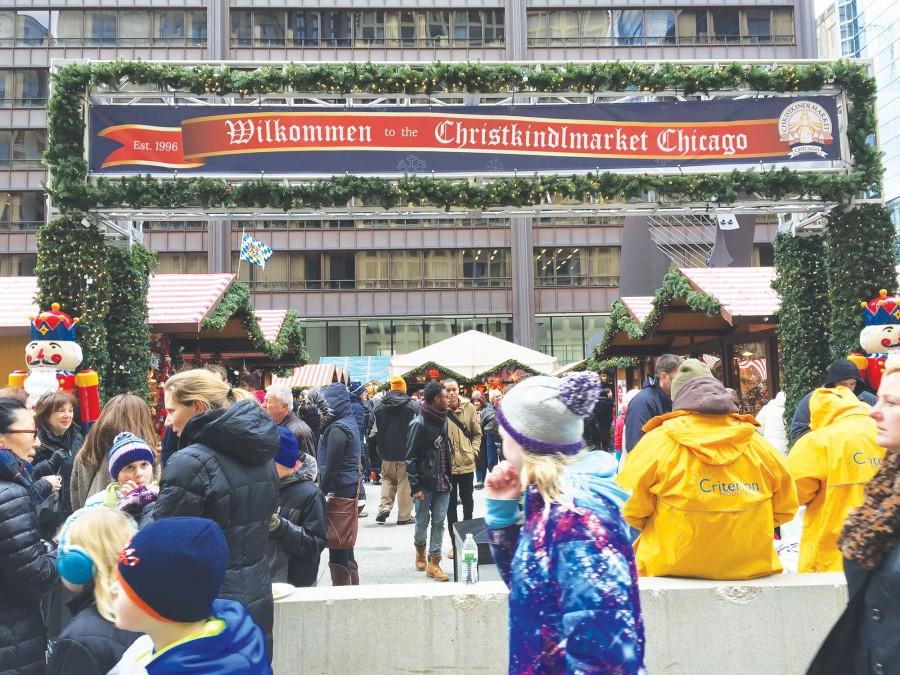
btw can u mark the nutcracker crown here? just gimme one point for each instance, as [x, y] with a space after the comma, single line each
[53, 324]
[881, 311]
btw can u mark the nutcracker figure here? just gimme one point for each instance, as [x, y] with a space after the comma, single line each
[880, 338]
[52, 357]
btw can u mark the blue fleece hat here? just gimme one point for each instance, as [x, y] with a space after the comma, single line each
[126, 449]
[174, 568]
[290, 449]
[356, 389]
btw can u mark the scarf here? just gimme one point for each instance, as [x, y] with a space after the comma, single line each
[16, 471]
[433, 415]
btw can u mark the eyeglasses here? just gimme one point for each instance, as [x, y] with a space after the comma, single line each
[33, 432]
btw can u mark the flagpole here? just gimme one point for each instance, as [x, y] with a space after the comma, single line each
[240, 255]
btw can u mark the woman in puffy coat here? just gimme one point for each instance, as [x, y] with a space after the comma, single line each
[223, 470]
[27, 570]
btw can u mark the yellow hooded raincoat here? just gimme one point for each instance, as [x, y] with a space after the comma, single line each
[831, 466]
[707, 494]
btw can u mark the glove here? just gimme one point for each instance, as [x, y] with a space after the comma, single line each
[137, 499]
[58, 459]
[274, 523]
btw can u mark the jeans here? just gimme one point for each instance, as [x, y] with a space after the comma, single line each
[433, 507]
[464, 483]
[491, 446]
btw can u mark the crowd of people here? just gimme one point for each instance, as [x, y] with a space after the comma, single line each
[122, 551]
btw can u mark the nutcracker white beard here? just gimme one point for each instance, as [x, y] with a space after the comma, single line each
[40, 381]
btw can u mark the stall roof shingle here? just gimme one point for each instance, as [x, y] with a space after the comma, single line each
[742, 291]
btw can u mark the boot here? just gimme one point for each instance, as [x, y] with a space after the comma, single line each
[354, 573]
[420, 558]
[340, 575]
[434, 570]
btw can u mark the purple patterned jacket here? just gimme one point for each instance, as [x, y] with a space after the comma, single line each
[573, 603]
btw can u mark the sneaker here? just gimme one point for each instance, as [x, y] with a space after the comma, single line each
[362, 512]
[406, 522]
[479, 486]
[382, 516]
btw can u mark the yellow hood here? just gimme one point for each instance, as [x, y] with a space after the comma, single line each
[827, 406]
[713, 439]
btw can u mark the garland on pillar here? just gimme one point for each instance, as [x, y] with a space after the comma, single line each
[72, 269]
[129, 335]
[801, 282]
[859, 258]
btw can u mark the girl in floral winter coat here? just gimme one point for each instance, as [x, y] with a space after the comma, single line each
[567, 558]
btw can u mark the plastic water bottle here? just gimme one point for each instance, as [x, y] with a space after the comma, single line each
[469, 561]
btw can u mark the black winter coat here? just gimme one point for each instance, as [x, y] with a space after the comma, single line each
[56, 456]
[223, 470]
[296, 546]
[423, 453]
[649, 403]
[27, 572]
[89, 645]
[866, 638]
[392, 417]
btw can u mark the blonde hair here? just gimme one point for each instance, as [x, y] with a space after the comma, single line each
[545, 472]
[191, 386]
[102, 533]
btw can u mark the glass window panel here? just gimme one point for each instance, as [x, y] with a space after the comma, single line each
[408, 29]
[169, 26]
[29, 146]
[568, 338]
[725, 25]
[32, 27]
[7, 28]
[275, 276]
[783, 25]
[368, 27]
[134, 27]
[7, 88]
[29, 208]
[197, 30]
[305, 28]
[341, 270]
[438, 329]
[594, 328]
[563, 26]
[499, 267]
[336, 29]
[568, 266]
[342, 338]
[441, 269]
[268, 28]
[494, 27]
[240, 268]
[759, 24]
[17, 265]
[6, 143]
[500, 327]
[595, 25]
[438, 27]
[628, 26]
[544, 271]
[32, 87]
[601, 265]
[70, 27]
[241, 27]
[538, 27]
[376, 337]
[373, 269]
[100, 28]
[406, 269]
[660, 26]
[314, 338]
[544, 335]
[408, 336]
[475, 267]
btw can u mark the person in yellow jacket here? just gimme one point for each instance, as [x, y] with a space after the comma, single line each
[831, 466]
[707, 490]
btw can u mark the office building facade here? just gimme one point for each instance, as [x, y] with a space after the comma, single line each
[381, 286]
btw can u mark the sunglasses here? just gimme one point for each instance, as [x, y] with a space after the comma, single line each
[33, 432]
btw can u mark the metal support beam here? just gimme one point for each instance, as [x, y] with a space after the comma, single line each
[521, 252]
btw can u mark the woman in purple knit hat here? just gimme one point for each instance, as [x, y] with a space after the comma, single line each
[564, 550]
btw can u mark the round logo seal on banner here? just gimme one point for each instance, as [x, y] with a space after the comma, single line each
[805, 124]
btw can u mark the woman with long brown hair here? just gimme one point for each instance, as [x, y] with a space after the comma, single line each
[90, 474]
[866, 638]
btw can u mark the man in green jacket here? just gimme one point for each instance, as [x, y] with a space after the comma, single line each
[464, 431]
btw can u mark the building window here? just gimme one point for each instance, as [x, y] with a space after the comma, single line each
[304, 28]
[181, 263]
[32, 28]
[268, 28]
[18, 265]
[763, 255]
[103, 28]
[23, 88]
[22, 148]
[570, 338]
[100, 28]
[592, 266]
[486, 267]
[22, 211]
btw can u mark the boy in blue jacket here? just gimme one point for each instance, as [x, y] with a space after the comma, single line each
[170, 575]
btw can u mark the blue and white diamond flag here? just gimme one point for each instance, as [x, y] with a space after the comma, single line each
[254, 251]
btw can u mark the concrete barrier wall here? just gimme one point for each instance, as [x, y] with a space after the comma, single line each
[772, 626]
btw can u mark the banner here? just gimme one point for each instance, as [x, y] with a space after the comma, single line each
[668, 136]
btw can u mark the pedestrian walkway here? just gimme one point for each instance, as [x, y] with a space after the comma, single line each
[385, 553]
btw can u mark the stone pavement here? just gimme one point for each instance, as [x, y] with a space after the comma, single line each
[385, 553]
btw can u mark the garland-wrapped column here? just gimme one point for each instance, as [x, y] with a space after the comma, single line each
[859, 261]
[72, 270]
[802, 321]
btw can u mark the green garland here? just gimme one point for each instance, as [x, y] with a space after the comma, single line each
[236, 304]
[72, 269]
[72, 190]
[801, 282]
[675, 286]
[128, 279]
[860, 261]
[446, 373]
[611, 365]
